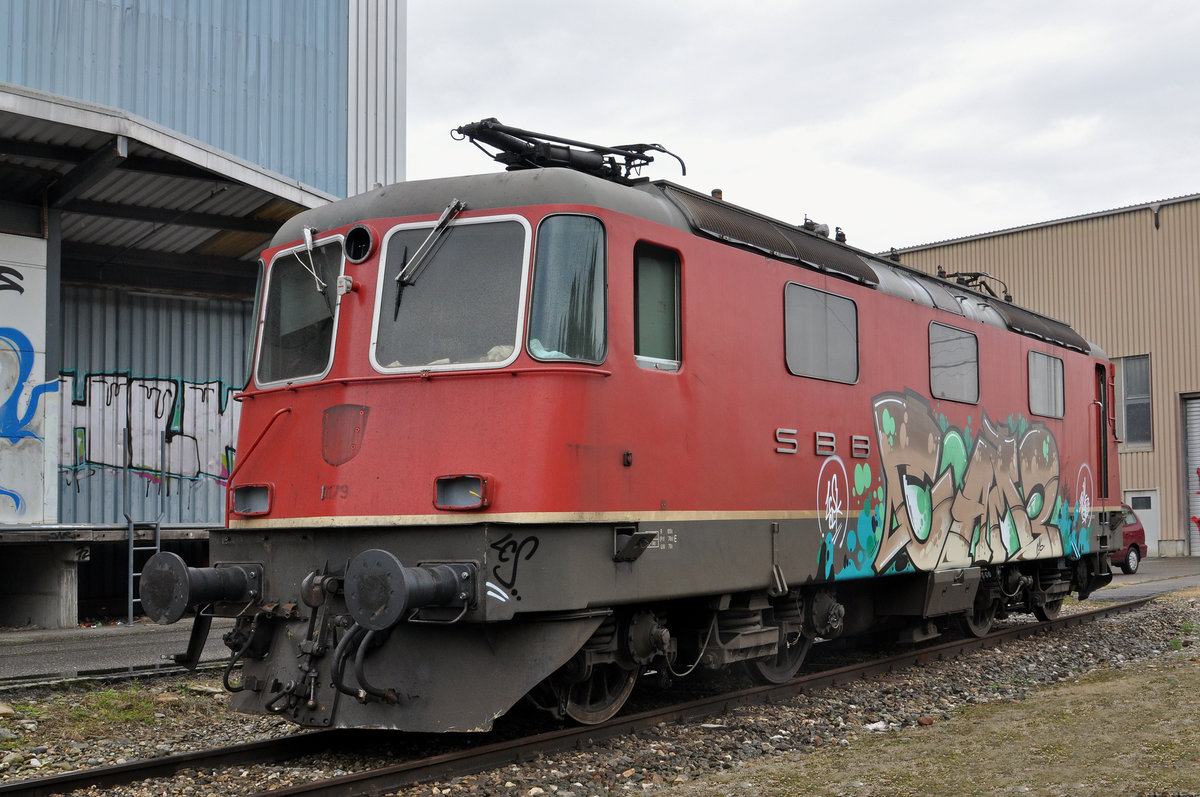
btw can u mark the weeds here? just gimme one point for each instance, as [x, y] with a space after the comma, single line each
[109, 707]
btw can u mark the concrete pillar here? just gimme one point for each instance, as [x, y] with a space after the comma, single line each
[44, 590]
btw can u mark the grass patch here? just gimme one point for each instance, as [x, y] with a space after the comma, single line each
[33, 711]
[87, 710]
[1122, 731]
[109, 707]
[1101, 676]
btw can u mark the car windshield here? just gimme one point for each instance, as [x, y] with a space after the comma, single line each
[460, 304]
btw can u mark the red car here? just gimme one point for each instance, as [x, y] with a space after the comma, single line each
[1133, 547]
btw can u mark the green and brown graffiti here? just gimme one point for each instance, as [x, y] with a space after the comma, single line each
[950, 500]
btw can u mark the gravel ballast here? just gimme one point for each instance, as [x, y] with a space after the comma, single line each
[810, 744]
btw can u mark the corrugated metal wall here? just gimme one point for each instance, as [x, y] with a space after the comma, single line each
[138, 367]
[1191, 411]
[376, 92]
[1130, 288]
[264, 80]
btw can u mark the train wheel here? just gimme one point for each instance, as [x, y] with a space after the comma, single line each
[978, 621]
[599, 696]
[783, 666]
[1048, 610]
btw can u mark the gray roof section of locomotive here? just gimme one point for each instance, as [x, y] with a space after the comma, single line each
[745, 228]
[683, 209]
[484, 192]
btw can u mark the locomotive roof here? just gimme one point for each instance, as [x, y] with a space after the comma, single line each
[488, 191]
[673, 205]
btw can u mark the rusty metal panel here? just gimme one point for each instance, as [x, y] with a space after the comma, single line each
[148, 420]
[1125, 280]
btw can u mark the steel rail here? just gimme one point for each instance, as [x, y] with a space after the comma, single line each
[112, 675]
[266, 751]
[475, 759]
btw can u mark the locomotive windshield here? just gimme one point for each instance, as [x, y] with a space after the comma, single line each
[460, 306]
[298, 321]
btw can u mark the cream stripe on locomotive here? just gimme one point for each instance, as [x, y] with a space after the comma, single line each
[517, 517]
[326, 521]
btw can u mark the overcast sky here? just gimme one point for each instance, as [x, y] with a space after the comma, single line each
[901, 122]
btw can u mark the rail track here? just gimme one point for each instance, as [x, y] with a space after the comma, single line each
[473, 757]
[106, 676]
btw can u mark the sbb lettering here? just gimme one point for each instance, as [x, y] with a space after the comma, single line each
[825, 444]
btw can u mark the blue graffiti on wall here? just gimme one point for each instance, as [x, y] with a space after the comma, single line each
[14, 424]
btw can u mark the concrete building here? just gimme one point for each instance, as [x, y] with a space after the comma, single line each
[1126, 280]
[148, 151]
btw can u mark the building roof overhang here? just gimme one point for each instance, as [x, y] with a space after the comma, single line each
[136, 205]
[1153, 207]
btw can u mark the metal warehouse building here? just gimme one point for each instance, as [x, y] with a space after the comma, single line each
[1126, 280]
[148, 151]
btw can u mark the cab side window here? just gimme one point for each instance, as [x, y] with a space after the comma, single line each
[656, 327]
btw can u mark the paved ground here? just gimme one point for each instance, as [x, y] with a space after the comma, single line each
[1154, 577]
[85, 650]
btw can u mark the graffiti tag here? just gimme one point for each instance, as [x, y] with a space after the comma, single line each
[1195, 519]
[159, 427]
[8, 279]
[14, 424]
[21, 414]
[509, 554]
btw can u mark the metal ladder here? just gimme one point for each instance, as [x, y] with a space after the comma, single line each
[139, 551]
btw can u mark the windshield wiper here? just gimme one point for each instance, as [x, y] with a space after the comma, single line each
[412, 269]
[311, 268]
[399, 284]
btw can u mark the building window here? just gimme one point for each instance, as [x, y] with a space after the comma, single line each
[953, 364]
[1045, 385]
[820, 334]
[656, 329]
[567, 319]
[1135, 416]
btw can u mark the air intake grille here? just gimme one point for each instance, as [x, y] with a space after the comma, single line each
[742, 227]
[1036, 326]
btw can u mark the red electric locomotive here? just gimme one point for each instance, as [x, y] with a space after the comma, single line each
[530, 433]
